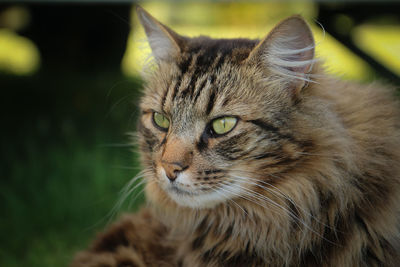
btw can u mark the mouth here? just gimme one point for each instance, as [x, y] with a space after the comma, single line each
[194, 198]
[179, 191]
[189, 196]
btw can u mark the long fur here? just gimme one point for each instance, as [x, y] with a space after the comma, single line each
[309, 176]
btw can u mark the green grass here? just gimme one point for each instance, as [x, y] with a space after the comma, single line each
[56, 201]
[60, 172]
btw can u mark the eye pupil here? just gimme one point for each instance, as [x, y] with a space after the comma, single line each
[223, 125]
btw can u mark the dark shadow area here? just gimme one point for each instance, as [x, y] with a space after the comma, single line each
[63, 155]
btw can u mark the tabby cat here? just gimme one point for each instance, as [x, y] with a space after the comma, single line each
[254, 157]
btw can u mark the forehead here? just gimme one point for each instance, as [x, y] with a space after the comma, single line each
[207, 80]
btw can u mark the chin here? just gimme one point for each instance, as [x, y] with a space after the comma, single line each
[200, 200]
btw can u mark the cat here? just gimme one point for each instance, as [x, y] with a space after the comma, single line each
[254, 157]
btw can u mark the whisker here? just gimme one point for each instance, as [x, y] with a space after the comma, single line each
[117, 103]
[255, 182]
[250, 198]
[250, 192]
[126, 167]
[125, 192]
[223, 189]
[226, 197]
[132, 201]
[230, 199]
[121, 200]
[261, 197]
[279, 192]
[293, 216]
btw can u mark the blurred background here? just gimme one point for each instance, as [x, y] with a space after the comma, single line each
[70, 84]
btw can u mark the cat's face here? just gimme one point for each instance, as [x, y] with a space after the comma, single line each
[213, 121]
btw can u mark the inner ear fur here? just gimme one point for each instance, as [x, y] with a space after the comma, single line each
[286, 53]
[165, 44]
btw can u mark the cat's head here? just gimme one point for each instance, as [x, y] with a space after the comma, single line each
[216, 114]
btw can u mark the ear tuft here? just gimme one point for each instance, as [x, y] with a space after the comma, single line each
[287, 52]
[165, 43]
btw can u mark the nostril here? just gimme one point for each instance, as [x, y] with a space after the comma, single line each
[172, 177]
[183, 168]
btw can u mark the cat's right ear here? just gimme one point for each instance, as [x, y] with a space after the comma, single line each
[165, 44]
[287, 53]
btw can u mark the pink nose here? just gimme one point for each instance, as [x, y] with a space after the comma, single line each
[176, 157]
[173, 169]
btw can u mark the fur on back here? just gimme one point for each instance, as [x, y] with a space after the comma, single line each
[308, 176]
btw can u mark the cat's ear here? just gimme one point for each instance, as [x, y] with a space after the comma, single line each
[287, 53]
[165, 44]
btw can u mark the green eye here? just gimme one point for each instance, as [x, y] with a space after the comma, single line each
[224, 125]
[160, 120]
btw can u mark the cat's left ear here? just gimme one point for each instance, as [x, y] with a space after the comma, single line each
[165, 44]
[287, 53]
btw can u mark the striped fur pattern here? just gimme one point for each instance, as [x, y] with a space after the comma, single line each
[309, 175]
